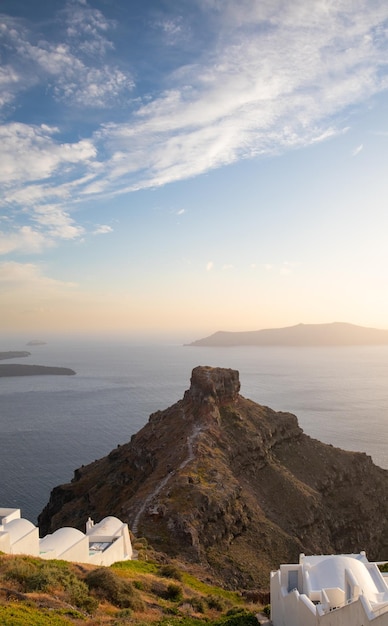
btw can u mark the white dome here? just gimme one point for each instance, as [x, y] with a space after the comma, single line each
[330, 572]
[18, 528]
[108, 526]
[61, 540]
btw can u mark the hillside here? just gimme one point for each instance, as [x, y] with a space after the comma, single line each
[35, 592]
[335, 334]
[231, 486]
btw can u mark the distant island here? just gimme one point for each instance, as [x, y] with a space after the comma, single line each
[12, 354]
[34, 370]
[301, 335]
[36, 342]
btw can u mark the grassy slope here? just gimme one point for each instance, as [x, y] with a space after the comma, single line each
[57, 593]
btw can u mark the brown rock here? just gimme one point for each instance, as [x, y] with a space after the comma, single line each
[232, 487]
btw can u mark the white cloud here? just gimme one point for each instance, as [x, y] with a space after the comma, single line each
[267, 87]
[209, 266]
[57, 223]
[173, 29]
[357, 150]
[72, 69]
[274, 76]
[103, 229]
[88, 27]
[25, 239]
[22, 277]
[29, 153]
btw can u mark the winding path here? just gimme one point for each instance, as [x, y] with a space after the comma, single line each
[190, 457]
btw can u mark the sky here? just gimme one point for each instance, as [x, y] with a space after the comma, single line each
[173, 168]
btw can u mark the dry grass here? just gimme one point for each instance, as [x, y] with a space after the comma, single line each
[56, 593]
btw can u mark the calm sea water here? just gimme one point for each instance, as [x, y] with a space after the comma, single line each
[50, 425]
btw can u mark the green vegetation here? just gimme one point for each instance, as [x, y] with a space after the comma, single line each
[118, 591]
[170, 571]
[137, 567]
[35, 592]
[16, 615]
[238, 618]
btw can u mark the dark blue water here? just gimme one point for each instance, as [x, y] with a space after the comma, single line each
[50, 425]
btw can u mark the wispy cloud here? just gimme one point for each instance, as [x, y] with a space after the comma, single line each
[103, 229]
[30, 153]
[28, 276]
[273, 76]
[72, 69]
[209, 266]
[24, 239]
[357, 150]
[87, 27]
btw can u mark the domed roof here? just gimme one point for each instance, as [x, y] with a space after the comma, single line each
[108, 526]
[18, 528]
[330, 572]
[61, 539]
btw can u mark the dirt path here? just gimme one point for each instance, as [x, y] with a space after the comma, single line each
[190, 457]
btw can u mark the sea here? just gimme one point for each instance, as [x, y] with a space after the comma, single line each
[51, 425]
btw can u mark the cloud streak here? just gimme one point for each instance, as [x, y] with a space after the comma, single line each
[274, 76]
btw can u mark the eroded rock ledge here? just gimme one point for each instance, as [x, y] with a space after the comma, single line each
[219, 383]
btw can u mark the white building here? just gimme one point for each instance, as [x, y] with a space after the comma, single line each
[103, 544]
[108, 541]
[329, 590]
[17, 535]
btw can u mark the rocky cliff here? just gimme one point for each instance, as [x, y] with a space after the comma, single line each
[231, 486]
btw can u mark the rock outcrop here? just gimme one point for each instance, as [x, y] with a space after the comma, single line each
[231, 486]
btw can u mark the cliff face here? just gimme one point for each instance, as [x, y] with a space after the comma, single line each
[232, 486]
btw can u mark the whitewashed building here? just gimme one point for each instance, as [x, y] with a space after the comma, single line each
[17, 535]
[329, 590]
[108, 541]
[102, 544]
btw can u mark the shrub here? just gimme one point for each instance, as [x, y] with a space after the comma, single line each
[197, 604]
[241, 618]
[267, 610]
[170, 571]
[215, 602]
[138, 584]
[78, 593]
[174, 592]
[108, 586]
[158, 588]
[25, 573]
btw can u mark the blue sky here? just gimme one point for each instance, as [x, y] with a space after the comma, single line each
[177, 168]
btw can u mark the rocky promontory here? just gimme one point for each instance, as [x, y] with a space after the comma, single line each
[231, 487]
